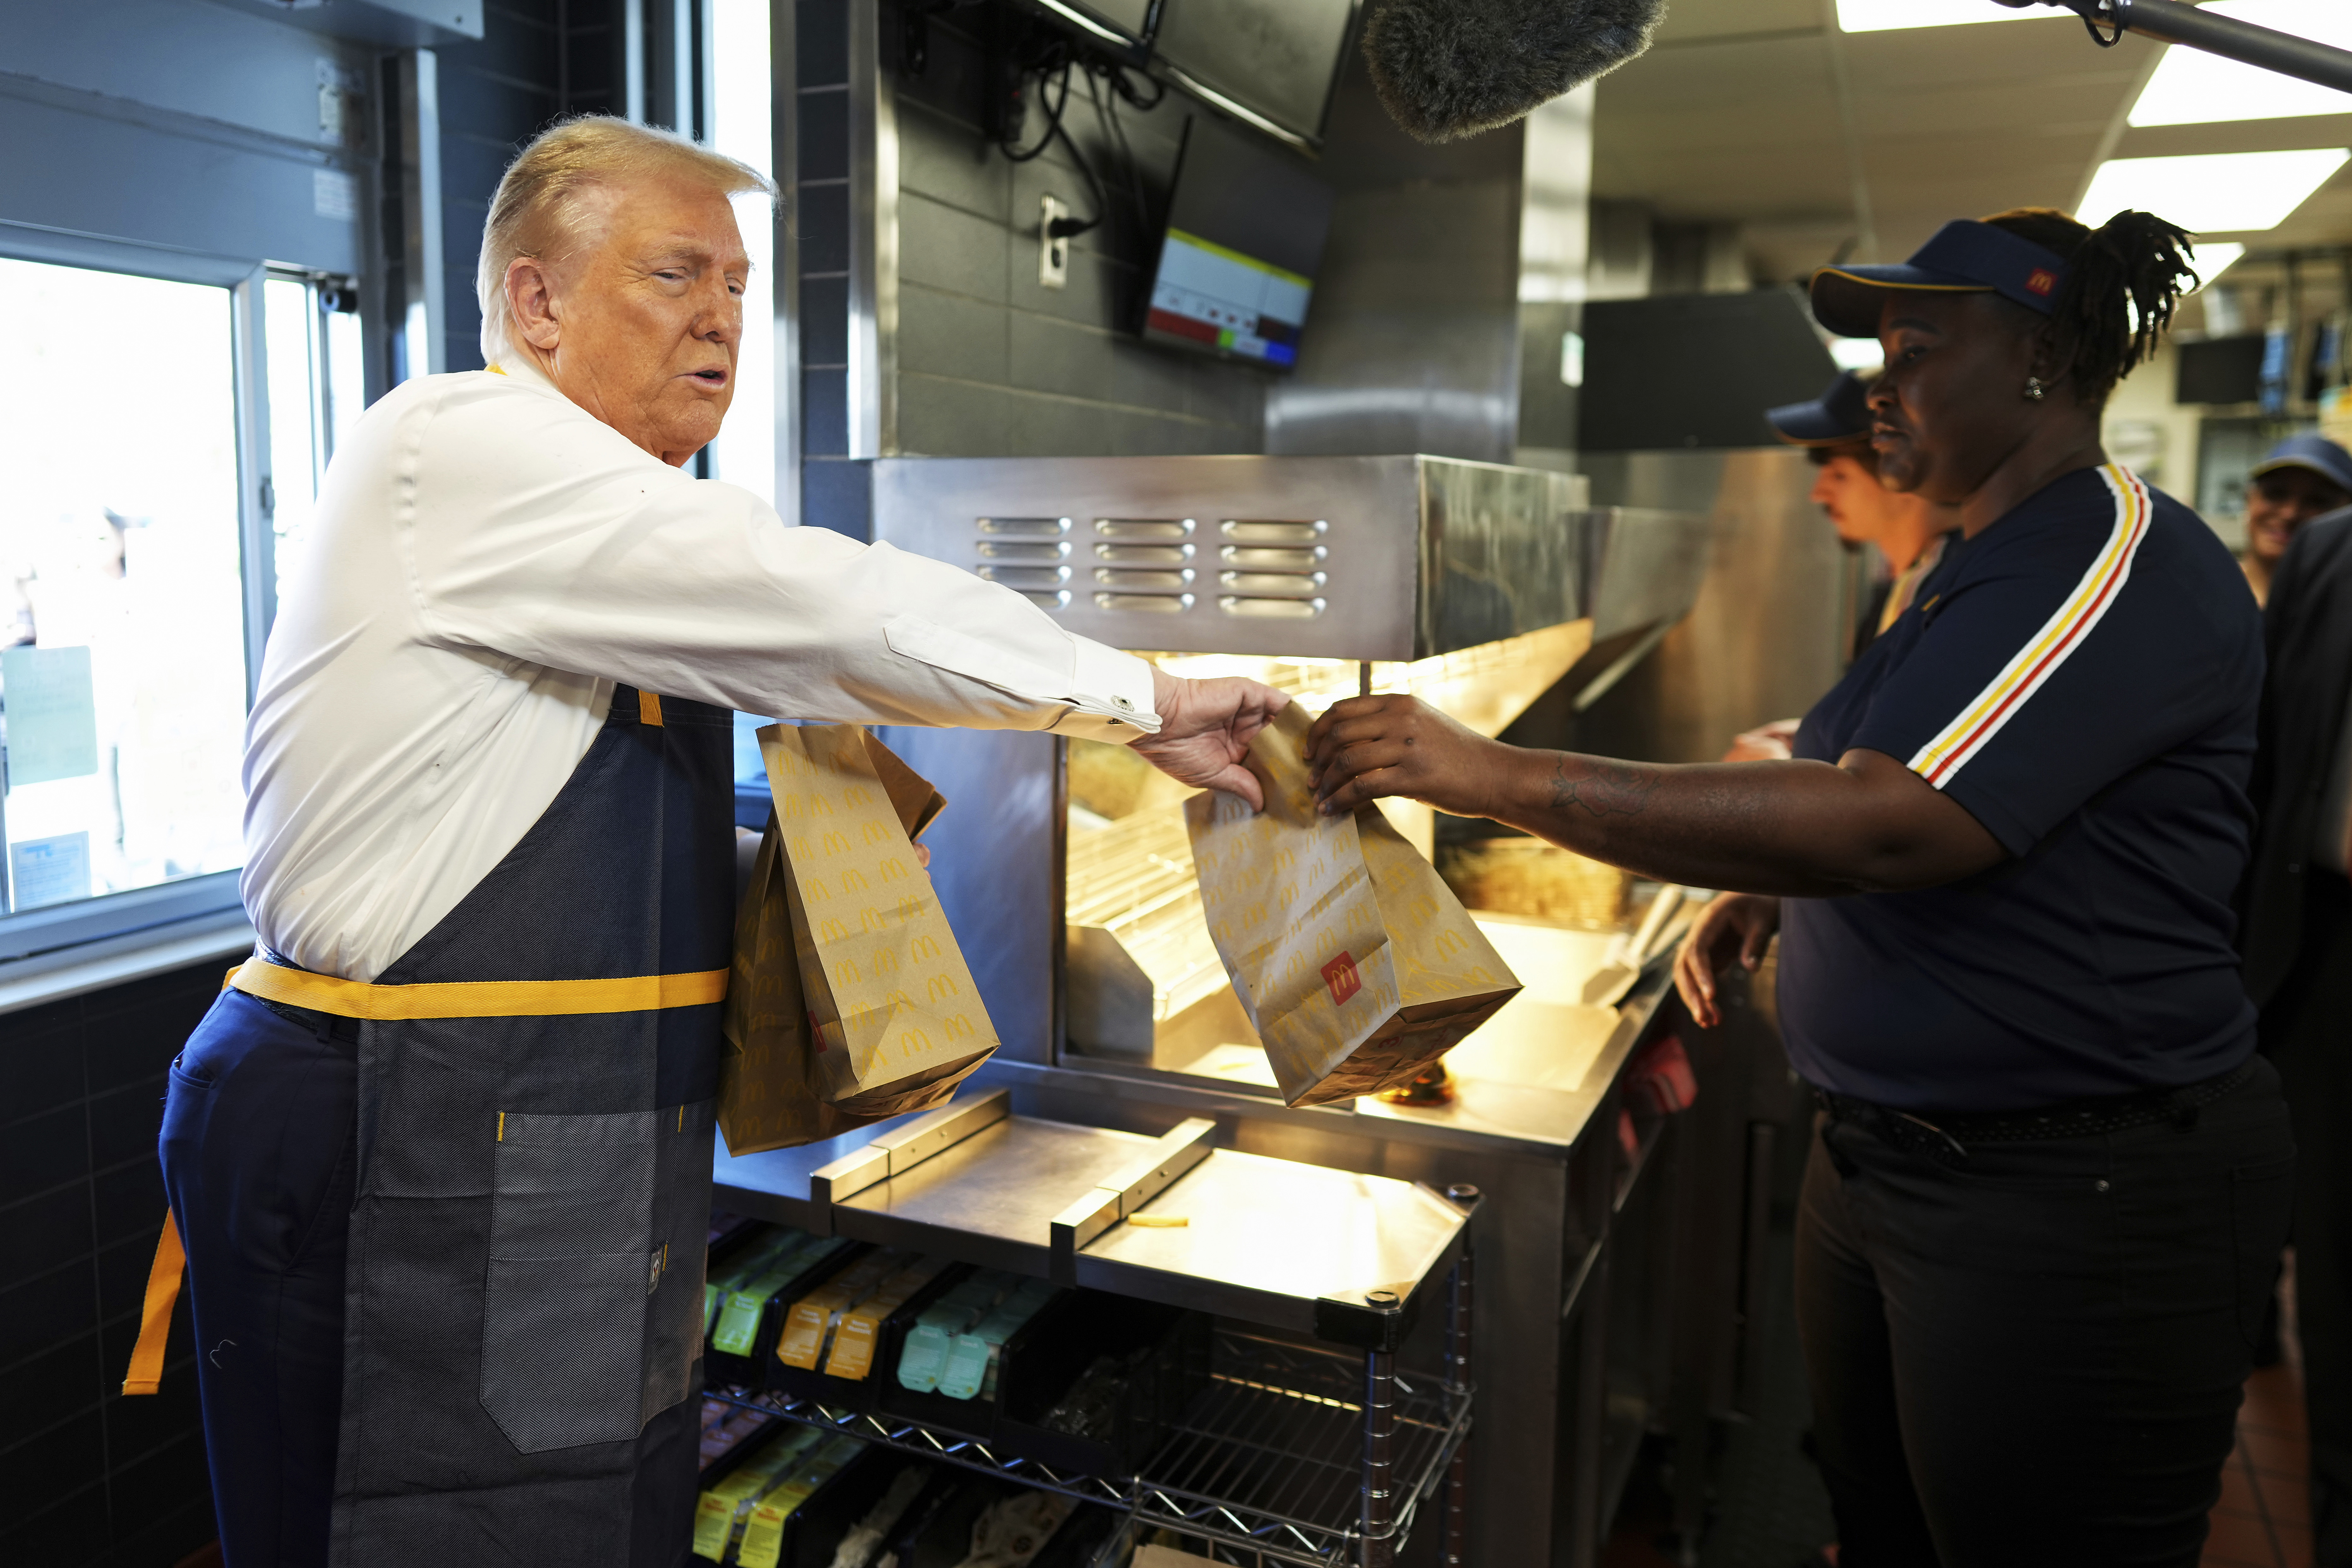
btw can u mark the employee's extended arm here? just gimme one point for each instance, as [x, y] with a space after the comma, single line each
[1863, 824]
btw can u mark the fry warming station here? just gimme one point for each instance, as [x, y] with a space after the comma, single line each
[1129, 1083]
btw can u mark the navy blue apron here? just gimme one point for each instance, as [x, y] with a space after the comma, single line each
[523, 1286]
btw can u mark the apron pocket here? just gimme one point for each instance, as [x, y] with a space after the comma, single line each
[561, 1340]
[564, 1310]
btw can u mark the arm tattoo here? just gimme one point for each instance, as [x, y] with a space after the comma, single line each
[1601, 786]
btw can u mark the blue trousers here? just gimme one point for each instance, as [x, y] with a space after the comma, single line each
[259, 1154]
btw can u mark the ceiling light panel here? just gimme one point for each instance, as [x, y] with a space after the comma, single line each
[2194, 88]
[2211, 192]
[1885, 15]
[2212, 260]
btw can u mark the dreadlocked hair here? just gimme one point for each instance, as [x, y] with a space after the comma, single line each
[2123, 280]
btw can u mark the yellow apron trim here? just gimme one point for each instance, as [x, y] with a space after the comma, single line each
[155, 1318]
[256, 977]
[496, 370]
[649, 709]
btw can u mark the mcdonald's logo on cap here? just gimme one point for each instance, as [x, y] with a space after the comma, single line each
[2041, 281]
[1340, 975]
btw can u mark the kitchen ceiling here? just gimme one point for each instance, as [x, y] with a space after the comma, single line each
[1762, 113]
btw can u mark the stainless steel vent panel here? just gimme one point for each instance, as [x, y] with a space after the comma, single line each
[1423, 555]
[1273, 609]
[1143, 527]
[1281, 584]
[1024, 527]
[1143, 554]
[1027, 576]
[1144, 581]
[1006, 550]
[1247, 558]
[1250, 532]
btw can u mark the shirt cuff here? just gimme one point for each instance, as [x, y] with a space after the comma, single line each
[1110, 695]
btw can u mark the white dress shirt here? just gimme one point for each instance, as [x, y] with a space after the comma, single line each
[488, 561]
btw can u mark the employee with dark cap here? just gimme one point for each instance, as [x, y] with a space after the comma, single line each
[2305, 476]
[2049, 1177]
[2298, 937]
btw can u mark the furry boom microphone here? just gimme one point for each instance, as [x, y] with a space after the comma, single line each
[1450, 68]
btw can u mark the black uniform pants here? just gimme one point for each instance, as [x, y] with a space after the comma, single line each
[2032, 1354]
[2307, 1031]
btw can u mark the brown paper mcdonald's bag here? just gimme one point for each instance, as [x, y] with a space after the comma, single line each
[849, 1001]
[1358, 965]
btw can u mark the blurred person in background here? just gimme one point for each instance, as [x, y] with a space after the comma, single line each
[2297, 929]
[2305, 476]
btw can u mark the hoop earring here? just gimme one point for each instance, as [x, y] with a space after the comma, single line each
[2034, 388]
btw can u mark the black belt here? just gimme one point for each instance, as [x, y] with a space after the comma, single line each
[1948, 1136]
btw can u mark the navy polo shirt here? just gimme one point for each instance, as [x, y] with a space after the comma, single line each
[2082, 678]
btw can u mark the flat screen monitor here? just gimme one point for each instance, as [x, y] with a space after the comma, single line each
[1246, 228]
[1273, 62]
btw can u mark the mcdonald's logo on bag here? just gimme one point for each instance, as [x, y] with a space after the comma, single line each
[836, 843]
[853, 880]
[893, 869]
[873, 919]
[814, 888]
[943, 986]
[856, 796]
[885, 962]
[959, 1025]
[832, 931]
[876, 833]
[1341, 976]
[845, 975]
[923, 948]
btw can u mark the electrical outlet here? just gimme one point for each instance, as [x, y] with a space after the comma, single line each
[1052, 249]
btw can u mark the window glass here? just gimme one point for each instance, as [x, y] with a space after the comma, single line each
[122, 623]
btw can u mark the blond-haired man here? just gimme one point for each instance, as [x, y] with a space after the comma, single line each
[446, 1240]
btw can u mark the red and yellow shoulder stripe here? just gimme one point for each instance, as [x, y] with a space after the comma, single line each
[2048, 648]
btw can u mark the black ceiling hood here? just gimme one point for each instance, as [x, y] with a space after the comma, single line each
[1685, 370]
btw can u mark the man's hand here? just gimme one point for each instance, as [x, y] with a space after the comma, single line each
[1366, 748]
[1735, 924]
[1206, 730]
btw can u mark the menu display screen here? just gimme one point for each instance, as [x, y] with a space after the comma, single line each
[1234, 302]
[1245, 229]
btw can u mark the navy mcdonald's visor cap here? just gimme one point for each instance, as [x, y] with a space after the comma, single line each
[1964, 258]
[2317, 453]
[1840, 416]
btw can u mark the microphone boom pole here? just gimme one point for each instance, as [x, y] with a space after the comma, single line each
[2170, 22]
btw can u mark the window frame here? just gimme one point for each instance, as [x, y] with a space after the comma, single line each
[47, 930]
